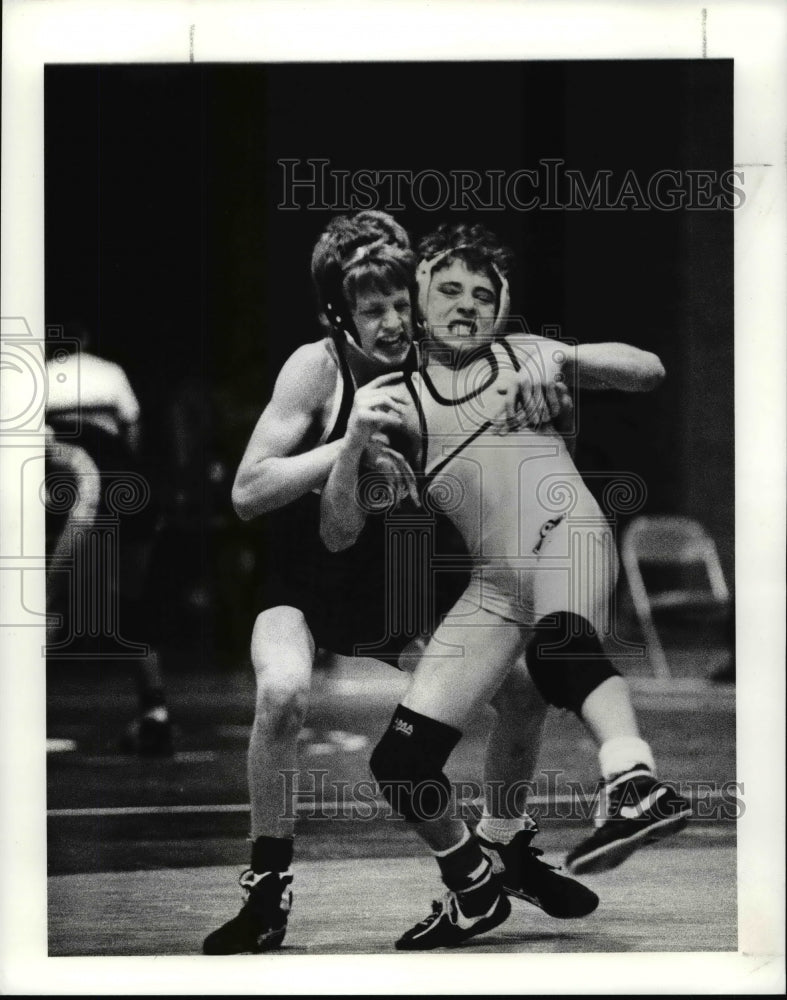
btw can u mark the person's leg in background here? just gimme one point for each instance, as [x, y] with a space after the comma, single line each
[150, 734]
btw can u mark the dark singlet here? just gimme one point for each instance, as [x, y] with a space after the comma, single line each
[375, 597]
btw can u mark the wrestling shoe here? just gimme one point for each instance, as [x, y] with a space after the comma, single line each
[634, 809]
[525, 876]
[262, 921]
[450, 924]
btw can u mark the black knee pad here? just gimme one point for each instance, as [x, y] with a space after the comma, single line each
[408, 764]
[566, 660]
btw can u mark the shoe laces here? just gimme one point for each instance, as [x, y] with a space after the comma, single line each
[249, 879]
[438, 906]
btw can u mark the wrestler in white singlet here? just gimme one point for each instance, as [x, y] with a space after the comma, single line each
[518, 500]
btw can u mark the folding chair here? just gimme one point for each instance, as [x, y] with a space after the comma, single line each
[666, 541]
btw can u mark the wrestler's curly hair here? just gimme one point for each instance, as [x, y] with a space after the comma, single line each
[476, 245]
[372, 250]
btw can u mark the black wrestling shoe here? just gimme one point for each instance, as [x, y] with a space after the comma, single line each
[634, 809]
[262, 921]
[449, 924]
[525, 876]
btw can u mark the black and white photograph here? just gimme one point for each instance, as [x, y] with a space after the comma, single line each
[393, 452]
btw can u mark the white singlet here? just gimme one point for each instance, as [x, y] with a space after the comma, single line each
[538, 540]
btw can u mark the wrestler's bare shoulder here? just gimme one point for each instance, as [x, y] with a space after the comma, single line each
[311, 371]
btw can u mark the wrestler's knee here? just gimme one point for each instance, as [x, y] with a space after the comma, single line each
[283, 709]
[279, 628]
[567, 661]
[283, 656]
[408, 763]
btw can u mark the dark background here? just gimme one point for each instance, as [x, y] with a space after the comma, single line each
[163, 236]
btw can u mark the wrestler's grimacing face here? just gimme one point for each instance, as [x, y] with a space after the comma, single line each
[384, 324]
[460, 306]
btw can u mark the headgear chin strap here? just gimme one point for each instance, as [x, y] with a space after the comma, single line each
[424, 279]
[335, 305]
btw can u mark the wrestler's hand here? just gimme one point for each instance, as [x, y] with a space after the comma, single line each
[563, 416]
[529, 398]
[377, 406]
[564, 421]
[510, 416]
[379, 457]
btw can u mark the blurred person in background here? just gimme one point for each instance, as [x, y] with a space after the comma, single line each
[93, 410]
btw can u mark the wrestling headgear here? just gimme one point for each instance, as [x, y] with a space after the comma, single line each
[424, 281]
[333, 299]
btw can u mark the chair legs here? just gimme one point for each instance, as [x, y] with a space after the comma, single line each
[656, 653]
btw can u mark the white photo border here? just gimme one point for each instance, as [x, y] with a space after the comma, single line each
[752, 33]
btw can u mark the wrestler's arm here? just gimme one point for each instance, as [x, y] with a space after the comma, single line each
[270, 475]
[615, 366]
[341, 516]
[546, 366]
[589, 366]
[377, 407]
